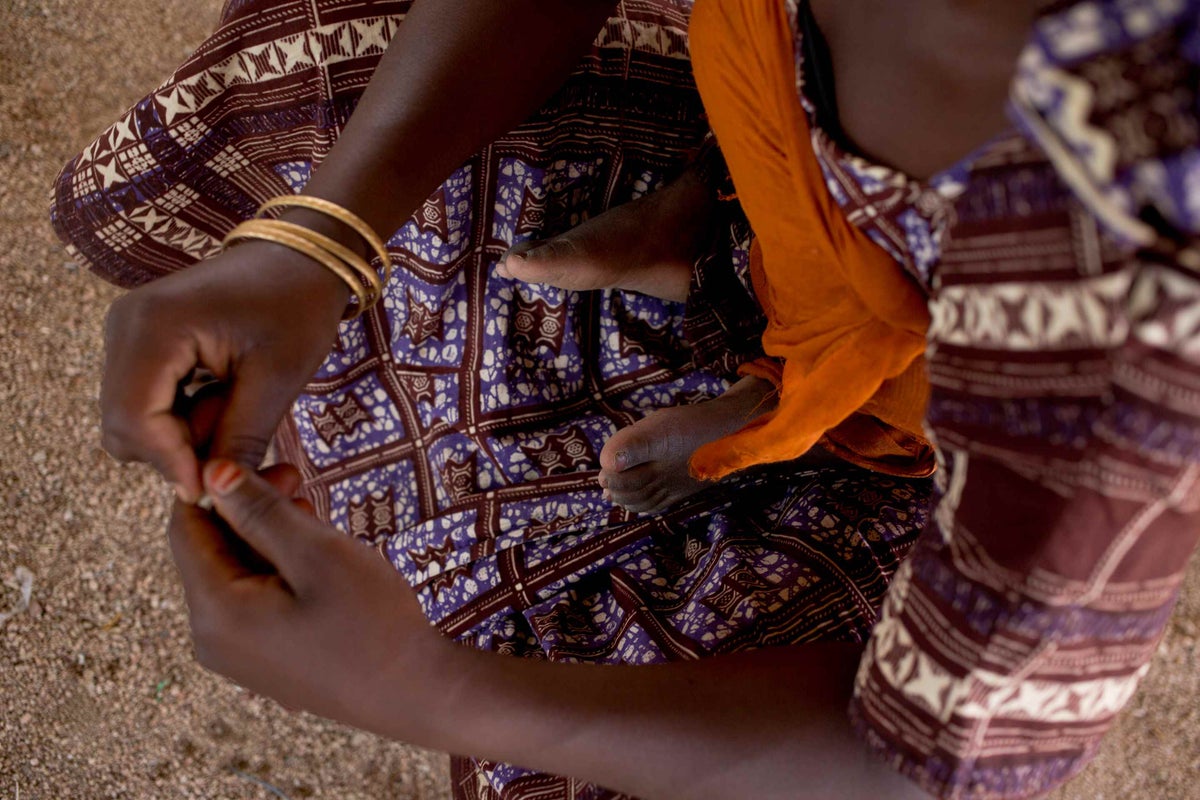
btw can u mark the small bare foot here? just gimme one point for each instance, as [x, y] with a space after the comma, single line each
[645, 467]
[647, 246]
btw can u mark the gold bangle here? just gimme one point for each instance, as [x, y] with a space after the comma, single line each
[348, 218]
[348, 256]
[267, 230]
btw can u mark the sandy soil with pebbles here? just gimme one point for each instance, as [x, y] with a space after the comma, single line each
[99, 695]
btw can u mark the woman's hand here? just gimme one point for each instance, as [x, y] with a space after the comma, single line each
[260, 317]
[311, 618]
[320, 622]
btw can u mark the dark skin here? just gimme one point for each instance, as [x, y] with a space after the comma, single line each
[306, 629]
[308, 633]
[921, 84]
[262, 317]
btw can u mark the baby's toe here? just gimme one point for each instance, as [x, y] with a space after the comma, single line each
[630, 447]
[629, 481]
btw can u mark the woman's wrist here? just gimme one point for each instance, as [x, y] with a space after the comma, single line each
[424, 695]
[319, 294]
[757, 724]
[327, 225]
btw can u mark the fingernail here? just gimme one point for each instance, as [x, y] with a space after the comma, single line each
[622, 460]
[502, 270]
[607, 495]
[223, 476]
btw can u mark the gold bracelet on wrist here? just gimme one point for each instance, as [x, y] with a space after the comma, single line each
[347, 218]
[348, 256]
[273, 231]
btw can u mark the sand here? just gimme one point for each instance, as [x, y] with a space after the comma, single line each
[99, 694]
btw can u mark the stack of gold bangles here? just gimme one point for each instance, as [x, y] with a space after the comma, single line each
[348, 265]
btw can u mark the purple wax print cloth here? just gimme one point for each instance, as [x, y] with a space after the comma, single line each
[457, 425]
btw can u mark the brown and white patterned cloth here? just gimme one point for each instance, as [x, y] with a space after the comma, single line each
[1062, 266]
[1064, 356]
[457, 424]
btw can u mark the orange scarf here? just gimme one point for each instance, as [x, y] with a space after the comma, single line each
[848, 323]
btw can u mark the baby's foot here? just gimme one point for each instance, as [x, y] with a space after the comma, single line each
[647, 245]
[645, 467]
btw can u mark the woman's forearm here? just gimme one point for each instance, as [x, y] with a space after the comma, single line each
[457, 74]
[767, 724]
[336, 631]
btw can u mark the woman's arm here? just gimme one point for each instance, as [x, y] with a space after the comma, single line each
[766, 724]
[262, 317]
[457, 74]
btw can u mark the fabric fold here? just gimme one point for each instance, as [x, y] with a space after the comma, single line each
[841, 315]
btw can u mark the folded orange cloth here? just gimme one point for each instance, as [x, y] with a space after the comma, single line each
[847, 322]
[886, 434]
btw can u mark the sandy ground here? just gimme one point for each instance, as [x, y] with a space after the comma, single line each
[99, 695]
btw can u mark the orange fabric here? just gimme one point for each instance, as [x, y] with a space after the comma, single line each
[884, 435]
[769, 369]
[847, 322]
[887, 434]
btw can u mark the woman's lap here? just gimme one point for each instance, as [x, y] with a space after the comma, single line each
[458, 425]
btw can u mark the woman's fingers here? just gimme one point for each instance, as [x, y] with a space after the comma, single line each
[276, 528]
[258, 319]
[208, 555]
[232, 597]
[202, 411]
[305, 505]
[255, 404]
[284, 477]
[207, 563]
[137, 398]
